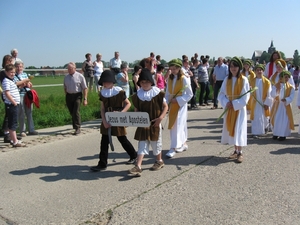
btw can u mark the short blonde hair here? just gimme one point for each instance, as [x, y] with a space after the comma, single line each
[98, 54]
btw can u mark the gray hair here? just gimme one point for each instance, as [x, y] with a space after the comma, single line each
[13, 50]
[19, 63]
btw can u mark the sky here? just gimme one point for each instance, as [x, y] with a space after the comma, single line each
[55, 32]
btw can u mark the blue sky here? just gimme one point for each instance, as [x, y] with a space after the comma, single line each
[54, 32]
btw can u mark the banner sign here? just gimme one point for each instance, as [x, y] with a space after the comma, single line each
[128, 119]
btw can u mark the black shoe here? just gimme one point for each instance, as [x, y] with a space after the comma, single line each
[97, 168]
[281, 138]
[131, 161]
[275, 137]
[6, 138]
[77, 131]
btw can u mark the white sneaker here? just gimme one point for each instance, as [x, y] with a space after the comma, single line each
[171, 153]
[184, 147]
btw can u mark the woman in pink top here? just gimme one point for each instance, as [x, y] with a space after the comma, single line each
[159, 78]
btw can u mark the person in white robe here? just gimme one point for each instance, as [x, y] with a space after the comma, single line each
[235, 102]
[178, 94]
[298, 104]
[260, 102]
[281, 113]
[280, 66]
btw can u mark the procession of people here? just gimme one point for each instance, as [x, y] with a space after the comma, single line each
[241, 88]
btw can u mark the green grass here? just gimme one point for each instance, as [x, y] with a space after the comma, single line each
[41, 80]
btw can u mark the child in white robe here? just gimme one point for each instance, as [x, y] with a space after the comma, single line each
[281, 113]
[260, 102]
[234, 130]
[178, 94]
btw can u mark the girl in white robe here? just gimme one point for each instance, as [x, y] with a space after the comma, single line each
[281, 116]
[260, 107]
[178, 93]
[235, 104]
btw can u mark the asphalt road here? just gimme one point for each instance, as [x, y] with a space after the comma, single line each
[49, 181]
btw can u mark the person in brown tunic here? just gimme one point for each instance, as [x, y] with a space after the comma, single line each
[112, 99]
[149, 99]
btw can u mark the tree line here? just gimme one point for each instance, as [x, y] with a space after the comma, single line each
[265, 57]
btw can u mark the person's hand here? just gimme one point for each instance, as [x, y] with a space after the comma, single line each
[156, 122]
[174, 100]
[29, 85]
[277, 85]
[105, 124]
[85, 102]
[229, 105]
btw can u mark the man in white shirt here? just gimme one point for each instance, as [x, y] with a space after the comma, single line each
[115, 63]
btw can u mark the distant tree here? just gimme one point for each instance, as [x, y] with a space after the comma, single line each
[296, 58]
[282, 55]
[133, 64]
[265, 57]
[30, 67]
[163, 62]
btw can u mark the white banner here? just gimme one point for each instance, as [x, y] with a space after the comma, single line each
[128, 119]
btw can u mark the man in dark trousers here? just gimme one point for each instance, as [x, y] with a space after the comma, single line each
[75, 87]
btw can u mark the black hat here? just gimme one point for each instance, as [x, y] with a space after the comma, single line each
[107, 76]
[145, 75]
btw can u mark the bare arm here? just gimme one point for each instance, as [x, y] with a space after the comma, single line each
[22, 83]
[125, 78]
[83, 66]
[85, 93]
[162, 115]
[135, 79]
[106, 125]
[127, 105]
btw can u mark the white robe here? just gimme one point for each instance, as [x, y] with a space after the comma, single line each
[240, 131]
[266, 72]
[298, 104]
[281, 126]
[179, 132]
[291, 80]
[260, 121]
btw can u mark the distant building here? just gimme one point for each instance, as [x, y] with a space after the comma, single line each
[257, 53]
[271, 49]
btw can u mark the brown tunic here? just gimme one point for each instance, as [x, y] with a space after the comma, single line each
[111, 104]
[154, 109]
